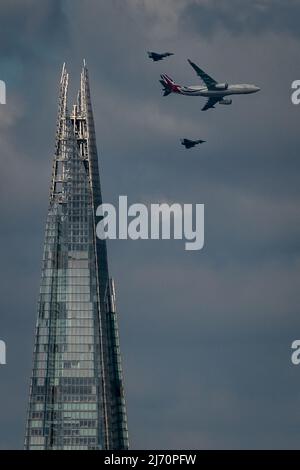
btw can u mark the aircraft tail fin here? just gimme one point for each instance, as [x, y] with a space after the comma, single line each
[169, 86]
[166, 92]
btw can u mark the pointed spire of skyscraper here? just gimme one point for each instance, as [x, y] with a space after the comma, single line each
[76, 395]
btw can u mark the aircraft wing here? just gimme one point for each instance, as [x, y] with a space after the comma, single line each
[206, 79]
[210, 103]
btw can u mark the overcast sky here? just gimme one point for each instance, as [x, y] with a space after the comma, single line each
[205, 336]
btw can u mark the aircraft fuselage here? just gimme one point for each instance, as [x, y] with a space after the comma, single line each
[238, 89]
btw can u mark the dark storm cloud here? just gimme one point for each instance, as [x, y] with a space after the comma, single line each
[32, 36]
[242, 17]
[28, 27]
[205, 336]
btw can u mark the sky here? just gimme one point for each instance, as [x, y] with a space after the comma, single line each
[205, 335]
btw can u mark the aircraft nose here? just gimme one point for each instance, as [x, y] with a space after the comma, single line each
[256, 88]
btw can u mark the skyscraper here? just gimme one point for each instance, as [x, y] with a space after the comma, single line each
[76, 394]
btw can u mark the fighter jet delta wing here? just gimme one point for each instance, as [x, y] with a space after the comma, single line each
[156, 56]
[210, 103]
[206, 79]
[188, 144]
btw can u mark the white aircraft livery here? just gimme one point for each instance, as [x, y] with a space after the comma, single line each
[211, 89]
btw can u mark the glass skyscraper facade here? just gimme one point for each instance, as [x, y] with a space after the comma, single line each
[76, 394]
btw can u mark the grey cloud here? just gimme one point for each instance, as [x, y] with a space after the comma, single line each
[241, 17]
[30, 28]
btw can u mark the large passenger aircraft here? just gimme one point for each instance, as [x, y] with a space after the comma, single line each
[211, 89]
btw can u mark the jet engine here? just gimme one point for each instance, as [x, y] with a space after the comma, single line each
[225, 101]
[221, 86]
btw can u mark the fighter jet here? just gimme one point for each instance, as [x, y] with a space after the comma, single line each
[213, 90]
[191, 143]
[156, 56]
